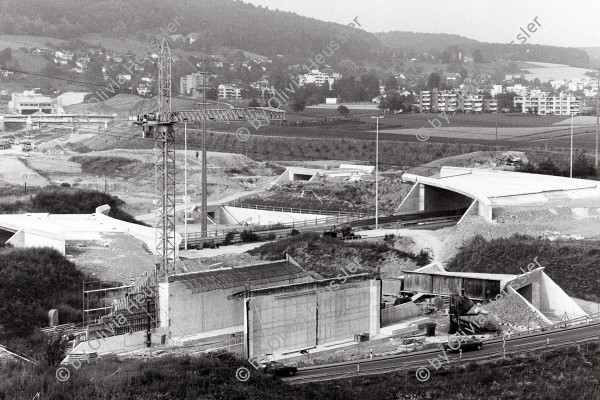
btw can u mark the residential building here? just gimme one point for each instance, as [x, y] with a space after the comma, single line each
[63, 55]
[471, 104]
[549, 105]
[230, 92]
[518, 89]
[318, 78]
[496, 89]
[490, 105]
[193, 85]
[425, 101]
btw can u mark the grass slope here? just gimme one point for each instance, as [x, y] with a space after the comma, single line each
[563, 373]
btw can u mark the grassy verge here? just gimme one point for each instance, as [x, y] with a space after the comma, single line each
[563, 373]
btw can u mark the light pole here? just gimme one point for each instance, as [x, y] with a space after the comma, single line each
[571, 167]
[185, 203]
[377, 173]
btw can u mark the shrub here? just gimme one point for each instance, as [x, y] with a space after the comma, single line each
[248, 236]
[343, 110]
[294, 232]
[228, 238]
[271, 236]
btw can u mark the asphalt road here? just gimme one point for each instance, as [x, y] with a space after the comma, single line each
[424, 359]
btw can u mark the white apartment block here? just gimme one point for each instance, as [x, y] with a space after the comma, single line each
[473, 104]
[450, 101]
[549, 105]
[518, 89]
[318, 78]
[230, 92]
[193, 85]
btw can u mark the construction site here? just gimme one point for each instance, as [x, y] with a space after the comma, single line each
[184, 284]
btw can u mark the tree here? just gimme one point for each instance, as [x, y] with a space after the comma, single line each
[391, 84]
[254, 103]
[298, 105]
[506, 100]
[343, 110]
[434, 81]
[478, 57]
[5, 57]
[583, 167]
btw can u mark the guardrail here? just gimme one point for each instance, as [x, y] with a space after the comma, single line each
[266, 229]
[314, 225]
[298, 210]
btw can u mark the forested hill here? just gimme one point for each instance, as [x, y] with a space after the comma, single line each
[220, 22]
[442, 46]
[234, 24]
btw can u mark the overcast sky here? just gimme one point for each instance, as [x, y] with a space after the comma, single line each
[573, 23]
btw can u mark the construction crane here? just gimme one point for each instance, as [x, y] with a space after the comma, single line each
[159, 126]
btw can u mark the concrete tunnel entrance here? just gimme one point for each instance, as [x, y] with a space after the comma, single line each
[5, 234]
[426, 198]
[437, 199]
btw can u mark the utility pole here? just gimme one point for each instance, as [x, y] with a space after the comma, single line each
[496, 124]
[571, 168]
[597, 116]
[204, 163]
[185, 186]
[377, 174]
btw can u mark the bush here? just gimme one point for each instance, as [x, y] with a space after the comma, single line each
[343, 110]
[249, 236]
[271, 236]
[294, 232]
[228, 238]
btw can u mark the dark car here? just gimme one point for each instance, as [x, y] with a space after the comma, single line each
[467, 345]
[279, 369]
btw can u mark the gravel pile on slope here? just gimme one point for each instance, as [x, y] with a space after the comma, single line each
[512, 311]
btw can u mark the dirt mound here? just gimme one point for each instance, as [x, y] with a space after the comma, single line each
[329, 257]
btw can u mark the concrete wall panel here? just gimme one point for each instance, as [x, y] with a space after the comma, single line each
[343, 312]
[202, 312]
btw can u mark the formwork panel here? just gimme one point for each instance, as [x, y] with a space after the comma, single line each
[446, 284]
[417, 282]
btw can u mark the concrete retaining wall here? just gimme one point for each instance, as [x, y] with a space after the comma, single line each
[264, 217]
[33, 238]
[113, 344]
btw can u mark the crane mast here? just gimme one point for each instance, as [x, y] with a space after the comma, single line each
[159, 126]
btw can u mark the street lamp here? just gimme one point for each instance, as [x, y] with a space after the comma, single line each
[377, 174]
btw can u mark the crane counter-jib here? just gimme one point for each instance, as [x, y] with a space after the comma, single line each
[219, 115]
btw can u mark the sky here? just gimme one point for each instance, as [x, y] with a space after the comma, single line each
[568, 23]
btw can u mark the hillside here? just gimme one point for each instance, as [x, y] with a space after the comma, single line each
[437, 43]
[221, 23]
[258, 30]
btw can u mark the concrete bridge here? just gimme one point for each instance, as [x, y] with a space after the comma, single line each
[489, 193]
[67, 119]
